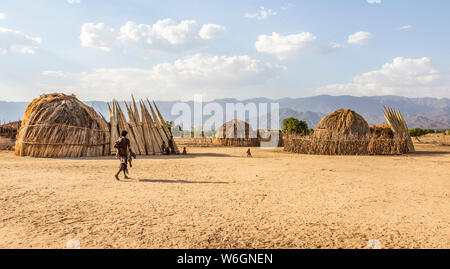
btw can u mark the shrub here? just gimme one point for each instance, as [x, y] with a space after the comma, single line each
[295, 126]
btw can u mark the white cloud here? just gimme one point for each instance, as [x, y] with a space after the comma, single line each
[374, 1]
[168, 31]
[410, 77]
[2, 16]
[405, 27]
[73, 1]
[18, 42]
[359, 38]
[164, 35]
[284, 46]
[99, 36]
[263, 14]
[211, 31]
[209, 74]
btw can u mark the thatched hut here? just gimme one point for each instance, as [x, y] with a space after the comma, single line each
[59, 125]
[345, 132]
[236, 133]
[342, 122]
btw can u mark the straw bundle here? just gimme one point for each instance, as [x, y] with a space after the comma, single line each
[159, 127]
[59, 125]
[136, 127]
[398, 125]
[146, 133]
[165, 127]
[151, 140]
[122, 124]
[382, 130]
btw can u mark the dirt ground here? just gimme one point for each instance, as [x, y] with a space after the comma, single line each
[218, 198]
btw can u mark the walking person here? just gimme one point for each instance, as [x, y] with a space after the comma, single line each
[123, 146]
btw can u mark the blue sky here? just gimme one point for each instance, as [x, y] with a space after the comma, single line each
[168, 50]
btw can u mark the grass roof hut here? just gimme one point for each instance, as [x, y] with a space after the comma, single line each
[59, 125]
[342, 122]
[236, 133]
[345, 132]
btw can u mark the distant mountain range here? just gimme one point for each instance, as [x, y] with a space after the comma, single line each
[430, 113]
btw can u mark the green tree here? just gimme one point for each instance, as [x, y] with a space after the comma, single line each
[295, 126]
[418, 132]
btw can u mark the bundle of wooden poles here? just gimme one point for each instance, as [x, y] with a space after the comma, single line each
[398, 125]
[147, 129]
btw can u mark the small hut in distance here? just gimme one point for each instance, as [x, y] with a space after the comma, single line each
[236, 133]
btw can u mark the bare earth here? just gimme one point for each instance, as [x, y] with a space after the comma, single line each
[217, 198]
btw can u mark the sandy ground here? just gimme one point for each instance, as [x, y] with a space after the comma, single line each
[217, 198]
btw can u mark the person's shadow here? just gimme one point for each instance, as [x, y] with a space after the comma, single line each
[181, 181]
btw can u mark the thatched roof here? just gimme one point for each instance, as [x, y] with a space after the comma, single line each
[382, 130]
[235, 129]
[59, 125]
[10, 129]
[342, 122]
[236, 133]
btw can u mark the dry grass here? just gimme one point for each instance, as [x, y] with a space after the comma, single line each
[382, 130]
[342, 122]
[346, 145]
[58, 125]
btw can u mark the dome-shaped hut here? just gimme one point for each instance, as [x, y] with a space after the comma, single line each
[59, 125]
[342, 122]
[345, 132]
[236, 133]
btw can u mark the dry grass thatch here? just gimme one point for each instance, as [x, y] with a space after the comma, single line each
[345, 132]
[9, 130]
[8, 133]
[346, 145]
[342, 122]
[383, 130]
[59, 125]
[236, 133]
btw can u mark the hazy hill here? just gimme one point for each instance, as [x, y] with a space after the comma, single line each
[419, 112]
